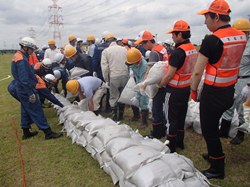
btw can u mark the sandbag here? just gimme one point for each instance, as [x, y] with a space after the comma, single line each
[77, 72]
[97, 124]
[150, 91]
[173, 182]
[128, 93]
[155, 144]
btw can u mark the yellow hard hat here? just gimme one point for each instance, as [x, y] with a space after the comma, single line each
[72, 86]
[133, 56]
[108, 36]
[71, 37]
[242, 24]
[51, 42]
[69, 51]
[90, 38]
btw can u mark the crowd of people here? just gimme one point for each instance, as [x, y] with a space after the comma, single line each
[223, 59]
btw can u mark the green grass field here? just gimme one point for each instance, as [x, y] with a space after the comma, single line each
[59, 163]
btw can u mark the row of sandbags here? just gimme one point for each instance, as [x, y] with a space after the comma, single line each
[130, 159]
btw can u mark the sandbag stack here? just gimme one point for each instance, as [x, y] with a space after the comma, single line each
[130, 159]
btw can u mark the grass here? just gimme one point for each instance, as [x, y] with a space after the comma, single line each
[59, 163]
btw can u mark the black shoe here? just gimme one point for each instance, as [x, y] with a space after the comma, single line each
[205, 156]
[213, 174]
[31, 134]
[180, 145]
[238, 139]
[49, 134]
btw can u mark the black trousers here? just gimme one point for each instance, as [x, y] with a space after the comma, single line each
[214, 102]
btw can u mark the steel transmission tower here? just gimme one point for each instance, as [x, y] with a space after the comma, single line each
[56, 19]
[32, 32]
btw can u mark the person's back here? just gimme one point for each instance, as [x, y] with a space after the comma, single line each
[84, 61]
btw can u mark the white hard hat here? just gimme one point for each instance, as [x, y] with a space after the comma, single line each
[159, 42]
[44, 47]
[49, 78]
[119, 39]
[147, 54]
[167, 42]
[105, 33]
[57, 74]
[58, 58]
[28, 42]
[47, 62]
[97, 41]
[79, 40]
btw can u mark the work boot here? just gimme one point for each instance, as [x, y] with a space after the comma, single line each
[159, 131]
[238, 139]
[27, 134]
[49, 134]
[144, 119]
[224, 128]
[216, 170]
[114, 113]
[121, 108]
[136, 113]
[172, 142]
[205, 156]
[180, 139]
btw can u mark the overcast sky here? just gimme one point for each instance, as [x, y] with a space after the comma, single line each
[124, 18]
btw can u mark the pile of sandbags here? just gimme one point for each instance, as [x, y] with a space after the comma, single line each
[130, 159]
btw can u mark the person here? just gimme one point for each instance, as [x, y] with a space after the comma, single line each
[52, 50]
[220, 56]
[158, 53]
[43, 68]
[91, 43]
[177, 81]
[243, 78]
[80, 60]
[40, 54]
[33, 59]
[72, 41]
[167, 45]
[79, 45]
[139, 66]
[25, 82]
[61, 74]
[115, 74]
[90, 88]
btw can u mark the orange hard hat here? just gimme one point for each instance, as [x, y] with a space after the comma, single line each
[125, 40]
[242, 24]
[90, 38]
[72, 86]
[217, 7]
[180, 25]
[69, 51]
[71, 37]
[146, 35]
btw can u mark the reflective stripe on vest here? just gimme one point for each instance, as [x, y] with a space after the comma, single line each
[225, 72]
[182, 77]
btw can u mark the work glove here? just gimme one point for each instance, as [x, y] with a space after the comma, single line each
[94, 74]
[32, 98]
[107, 84]
[245, 91]
[63, 93]
[194, 95]
[134, 101]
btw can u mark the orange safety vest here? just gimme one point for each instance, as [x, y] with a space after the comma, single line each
[40, 84]
[182, 76]
[162, 50]
[18, 56]
[33, 59]
[225, 72]
[127, 47]
[37, 66]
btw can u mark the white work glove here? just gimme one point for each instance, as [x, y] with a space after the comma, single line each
[131, 73]
[245, 91]
[94, 74]
[32, 98]
[134, 101]
[107, 84]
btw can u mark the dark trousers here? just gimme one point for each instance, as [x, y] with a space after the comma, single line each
[213, 102]
[157, 108]
[177, 109]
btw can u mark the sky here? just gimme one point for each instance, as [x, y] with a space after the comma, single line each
[123, 18]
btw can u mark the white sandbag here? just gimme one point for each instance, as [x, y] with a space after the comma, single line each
[182, 166]
[150, 91]
[234, 125]
[128, 93]
[81, 140]
[108, 133]
[173, 182]
[118, 144]
[195, 182]
[109, 171]
[135, 135]
[118, 171]
[87, 137]
[152, 174]
[155, 144]
[138, 156]
[193, 116]
[126, 183]
[90, 150]
[156, 72]
[97, 124]
[77, 72]
[97, 144]
[71, 111]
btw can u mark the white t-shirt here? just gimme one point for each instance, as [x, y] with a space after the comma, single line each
[89, 85]
[50, 53]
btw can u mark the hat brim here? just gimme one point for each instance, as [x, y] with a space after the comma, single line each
[138, 42]
[203, 12]
[170, 31]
